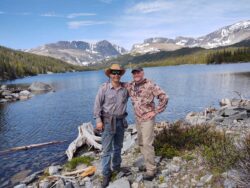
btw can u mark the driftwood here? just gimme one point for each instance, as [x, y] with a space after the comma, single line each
[86, 136]
[74, 172]
[30, 147]
[87, 171]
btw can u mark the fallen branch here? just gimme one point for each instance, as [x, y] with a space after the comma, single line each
[74, 172]
[30, 147]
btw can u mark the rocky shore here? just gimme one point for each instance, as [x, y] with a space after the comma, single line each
[189, 169]
[10, 94]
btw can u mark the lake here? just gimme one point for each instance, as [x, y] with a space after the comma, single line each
[55, 116]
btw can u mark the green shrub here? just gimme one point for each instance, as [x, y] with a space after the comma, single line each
[218, 149]
[221, 153]
[179, 137]
[78, 160]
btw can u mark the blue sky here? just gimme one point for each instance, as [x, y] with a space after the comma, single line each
[31, 23]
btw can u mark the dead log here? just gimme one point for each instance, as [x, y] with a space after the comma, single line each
[86, 136]
[30, 146]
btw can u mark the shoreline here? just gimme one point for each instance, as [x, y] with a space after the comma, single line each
[127, 66]
[188, 169]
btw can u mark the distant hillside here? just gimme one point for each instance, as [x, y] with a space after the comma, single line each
[15, 64]
[239, 52]
[244, 43]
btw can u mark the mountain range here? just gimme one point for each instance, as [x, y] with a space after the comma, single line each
[225, 36]
[79, 52]
[84, 53]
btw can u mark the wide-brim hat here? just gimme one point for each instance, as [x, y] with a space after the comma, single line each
[114, 67]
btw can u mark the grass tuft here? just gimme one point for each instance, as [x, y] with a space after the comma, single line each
[79, 160]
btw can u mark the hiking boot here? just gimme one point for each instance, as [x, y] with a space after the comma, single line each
[148, 176]
[122, 171]
[142, 168]
[105, 181]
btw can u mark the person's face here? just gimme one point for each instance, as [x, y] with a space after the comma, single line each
[115, 75]
[138, 76]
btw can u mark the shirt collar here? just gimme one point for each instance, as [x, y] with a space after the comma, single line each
[111, 86]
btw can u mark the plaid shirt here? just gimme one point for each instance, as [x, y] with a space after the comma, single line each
[142, 97]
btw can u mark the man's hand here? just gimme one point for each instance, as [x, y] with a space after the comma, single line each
[150, 115]
[99, 126]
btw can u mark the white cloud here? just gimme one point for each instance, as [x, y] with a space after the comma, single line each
[170, 19]
[150, 6]
[50, 14]
[74, 15]
[25, 13]
[78, 24]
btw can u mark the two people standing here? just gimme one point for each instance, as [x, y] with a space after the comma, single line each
[110, 113]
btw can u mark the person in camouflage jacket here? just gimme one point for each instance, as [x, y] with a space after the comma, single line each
[142, 92]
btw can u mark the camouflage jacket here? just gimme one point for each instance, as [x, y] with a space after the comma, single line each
[142, 97]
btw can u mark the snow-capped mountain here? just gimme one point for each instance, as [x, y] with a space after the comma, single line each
[222, 37]
[79, 52]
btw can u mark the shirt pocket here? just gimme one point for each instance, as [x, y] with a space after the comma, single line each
[110, 98]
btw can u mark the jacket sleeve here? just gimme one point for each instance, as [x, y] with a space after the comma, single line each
[99, 100]
[162, 97]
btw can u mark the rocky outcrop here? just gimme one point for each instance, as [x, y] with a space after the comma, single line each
[10, 94]
[39, 87]
[13, 94]
[233, 116]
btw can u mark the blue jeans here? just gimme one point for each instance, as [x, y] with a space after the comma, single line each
[111, 147]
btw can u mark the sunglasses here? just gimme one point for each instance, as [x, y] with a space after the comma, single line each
[116, 72]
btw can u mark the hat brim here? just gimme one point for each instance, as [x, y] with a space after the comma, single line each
[108, 71]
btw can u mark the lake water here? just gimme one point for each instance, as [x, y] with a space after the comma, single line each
[56, 115]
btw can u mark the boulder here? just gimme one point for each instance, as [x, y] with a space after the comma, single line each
[40, 86]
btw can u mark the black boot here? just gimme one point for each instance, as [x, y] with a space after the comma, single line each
[148, 177]
[105, 181]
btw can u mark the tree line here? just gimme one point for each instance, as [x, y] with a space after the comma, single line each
[15, 64]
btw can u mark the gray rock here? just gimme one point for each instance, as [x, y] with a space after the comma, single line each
[69, 185]
[139, 162]
[21, 186]
[3, 100]
[229, 183]
[89, 184]
[60, 184]
[32, 177]
[86, 179]
[207, 178]
[54, 169]
[6, 93]
[157, 160]
[15, 95]
[39, 86]
[24, 93]
[139, 178]
[45, 184]
[121, 183]
[229, 112]
[174, 168]
[76, 185]
[163, 185]
[3, 87]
